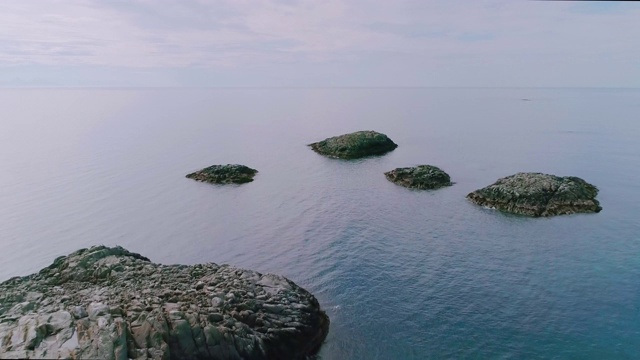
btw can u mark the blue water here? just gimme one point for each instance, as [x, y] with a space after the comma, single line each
[402, 274]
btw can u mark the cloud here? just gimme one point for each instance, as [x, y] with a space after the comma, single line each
[421, 36]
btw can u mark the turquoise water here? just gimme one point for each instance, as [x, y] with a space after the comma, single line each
[402, 274]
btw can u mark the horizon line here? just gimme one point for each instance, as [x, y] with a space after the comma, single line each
[106, 87]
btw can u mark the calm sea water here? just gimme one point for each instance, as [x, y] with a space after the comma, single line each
[402, 274]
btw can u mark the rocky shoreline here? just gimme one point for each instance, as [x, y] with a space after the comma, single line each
[537, 194]
[354, 145]
[109, 303]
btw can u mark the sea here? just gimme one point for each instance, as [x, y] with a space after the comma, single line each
[402, 274]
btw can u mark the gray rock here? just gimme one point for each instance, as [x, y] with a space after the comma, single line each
[121, 316]
[537, 194]
[224, 174]
[97, 309]
[79, 312]
[354, 145]
[419, 177]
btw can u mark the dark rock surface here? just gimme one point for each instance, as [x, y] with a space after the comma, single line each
[225, 174]
[109, 303]
[354, 145]
[537, 194]
[419, 177]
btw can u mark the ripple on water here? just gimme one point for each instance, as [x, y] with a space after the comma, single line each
[402, 274]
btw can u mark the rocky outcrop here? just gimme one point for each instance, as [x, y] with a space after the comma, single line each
[355, 145]
[109, 303]
[536, 194]
[225, 174]
[419, 177]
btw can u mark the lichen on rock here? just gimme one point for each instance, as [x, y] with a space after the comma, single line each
[419, 177]
[109, 303]
[224, 174]
[537, 194]
[354, 145]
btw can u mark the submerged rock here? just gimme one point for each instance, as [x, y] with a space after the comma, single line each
[537, 194]
[355, 145]
[419, 177]
[109, 303]
[225, 174]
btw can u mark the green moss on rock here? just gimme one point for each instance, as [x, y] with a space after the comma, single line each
[224, 174]
[419, 177]
[537, 194]
[354, 145]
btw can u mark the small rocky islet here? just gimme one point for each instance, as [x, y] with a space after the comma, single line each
[538, 194]
[109, 303]
[354, 145]
[224, 174]
[423, 177]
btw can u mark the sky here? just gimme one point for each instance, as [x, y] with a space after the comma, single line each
[321, 43]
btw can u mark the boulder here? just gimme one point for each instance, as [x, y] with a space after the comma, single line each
[225, 174]
[419, 177]
[355, 145]
[109, 303]
[537, 194]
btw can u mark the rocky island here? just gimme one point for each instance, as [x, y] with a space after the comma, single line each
[419, 177]
[537, 194]
[225, 174]
[109, 303]
[354, 145]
